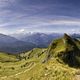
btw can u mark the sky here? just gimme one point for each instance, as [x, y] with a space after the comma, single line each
[23, 16]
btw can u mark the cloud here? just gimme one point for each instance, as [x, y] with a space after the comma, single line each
[65, 22]
[35, 15]
[4, 31]
[20, 31]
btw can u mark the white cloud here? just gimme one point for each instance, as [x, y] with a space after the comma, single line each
[65, 22]
[4, 31]
[21, 31]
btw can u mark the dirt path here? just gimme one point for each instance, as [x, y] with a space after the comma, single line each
[77, 77]
[24, 71]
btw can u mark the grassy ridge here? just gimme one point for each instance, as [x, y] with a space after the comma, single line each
[35, 69]
[7, 57]
[42, 64]
[48, 71]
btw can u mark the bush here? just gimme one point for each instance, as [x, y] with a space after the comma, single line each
[12, 68]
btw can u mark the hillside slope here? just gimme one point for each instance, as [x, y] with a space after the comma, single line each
[56, 62]
[66, 49]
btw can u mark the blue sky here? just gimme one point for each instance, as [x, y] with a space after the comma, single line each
[18, 16]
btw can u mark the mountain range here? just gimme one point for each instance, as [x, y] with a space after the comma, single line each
[18, 43]
[40, 39]
[10, 44]
[59, 61]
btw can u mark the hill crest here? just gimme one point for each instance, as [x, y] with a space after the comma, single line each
[65, 49]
